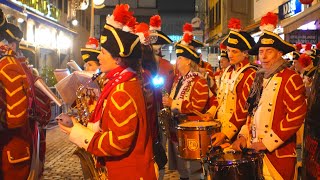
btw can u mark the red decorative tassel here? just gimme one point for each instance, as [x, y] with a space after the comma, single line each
[187, 27]
[234, 23]
[122, 14]
[155, 21]
[141, 27]
[269, 18]
[187, 38]
[304, 60]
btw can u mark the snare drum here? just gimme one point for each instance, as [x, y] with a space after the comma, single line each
[236, 165]
[194, 138]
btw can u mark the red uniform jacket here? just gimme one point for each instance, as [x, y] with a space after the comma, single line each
[125, 138]
[15, 133]
[283, 109]
[235, 99]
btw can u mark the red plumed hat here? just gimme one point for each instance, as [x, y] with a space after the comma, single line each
[298, 46]
[129, 27]
[269, 22]
[92, 43]
[142, 30]
[304, 60]
[187, 34]
[155, 23]
[122, 14]
[234, 24]
[187, 27]
[308, 47]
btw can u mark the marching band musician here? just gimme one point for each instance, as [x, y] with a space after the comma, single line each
[235, 85]
[188, 96]
[123, 142]
[15, 132]
[204, 67]
[89, 55]
[38, 117]
[277, 106]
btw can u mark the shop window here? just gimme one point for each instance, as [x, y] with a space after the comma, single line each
[59, 4]
[65, 8]
[218, 13]
[211, 18]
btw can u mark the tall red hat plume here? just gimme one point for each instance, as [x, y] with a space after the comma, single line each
[304, 60]
[92, 43]
[234, 24]
[155, 23]
[308, 47]
[269, 22]
[298, 46]
[122, 14]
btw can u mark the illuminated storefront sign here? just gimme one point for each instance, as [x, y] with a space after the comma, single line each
[289, 9]
[41, 7]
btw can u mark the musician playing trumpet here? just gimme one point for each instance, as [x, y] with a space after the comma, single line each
[123, 142]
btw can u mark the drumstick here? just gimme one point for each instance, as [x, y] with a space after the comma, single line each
[198, 113]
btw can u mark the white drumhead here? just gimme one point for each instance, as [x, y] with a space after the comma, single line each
[198, 124]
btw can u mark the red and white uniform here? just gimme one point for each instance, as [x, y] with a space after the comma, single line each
[232, 96]
[15, 132]
[279, 115]
[124, 140]
[192, 96]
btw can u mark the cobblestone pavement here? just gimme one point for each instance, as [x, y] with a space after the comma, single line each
[61, 164]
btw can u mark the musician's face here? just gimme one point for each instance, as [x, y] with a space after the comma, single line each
[224, 62]
[268, 56]
[235, 55]
[91, 66]
[183, 64]
[107, 62]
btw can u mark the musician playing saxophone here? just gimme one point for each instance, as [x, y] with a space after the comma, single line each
[123, 144]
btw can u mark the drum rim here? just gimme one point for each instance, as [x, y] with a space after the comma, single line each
[249, 158]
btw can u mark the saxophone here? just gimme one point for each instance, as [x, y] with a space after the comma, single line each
[85, 102]
[165, 117]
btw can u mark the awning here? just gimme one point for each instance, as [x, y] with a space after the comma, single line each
[38, 18]
[308, 15]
